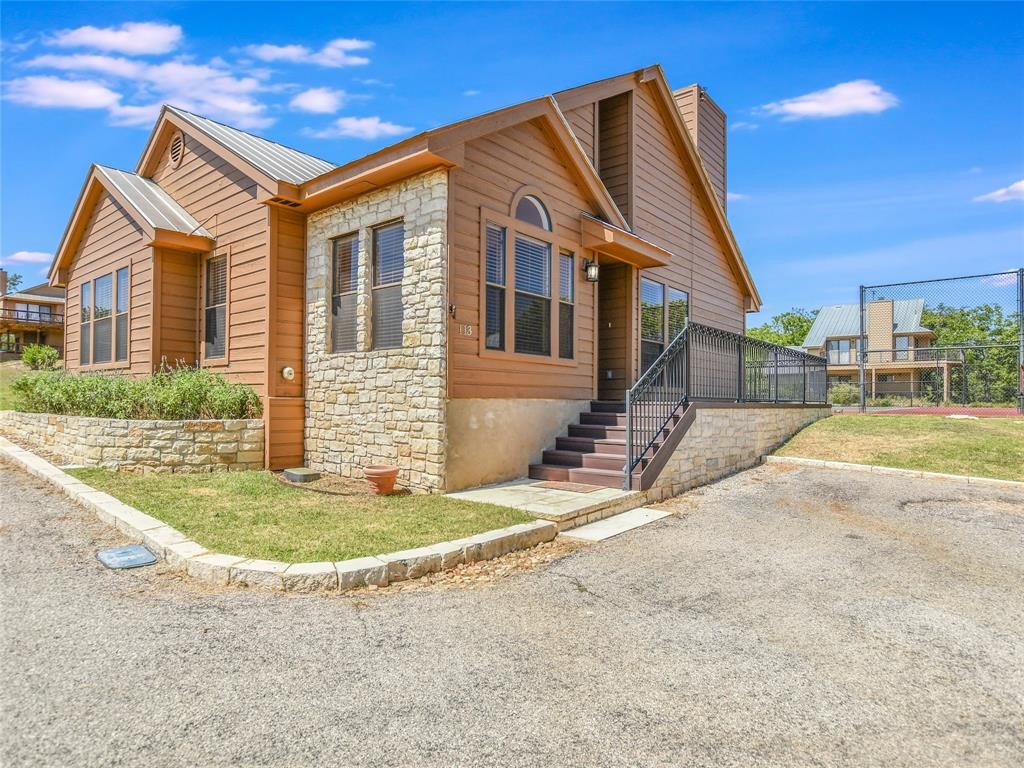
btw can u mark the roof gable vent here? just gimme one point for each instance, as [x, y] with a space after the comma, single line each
[176, 152]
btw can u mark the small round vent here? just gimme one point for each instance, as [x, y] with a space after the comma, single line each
[177, 150]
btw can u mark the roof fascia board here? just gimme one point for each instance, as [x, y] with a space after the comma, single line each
[178, 241]
[602, 89]
[667, 102]
[69, 239]
[620, 244]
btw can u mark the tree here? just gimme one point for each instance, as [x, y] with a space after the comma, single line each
[13, 281]
[788, 329]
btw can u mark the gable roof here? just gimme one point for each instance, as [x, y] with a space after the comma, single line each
[838, 320]
[275, 160]
[156, 207]
[161, 219]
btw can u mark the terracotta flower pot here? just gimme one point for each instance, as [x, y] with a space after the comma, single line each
[381, 477]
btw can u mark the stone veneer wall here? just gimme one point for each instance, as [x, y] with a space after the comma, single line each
[381, 406]
[155, 446]
[724, 440]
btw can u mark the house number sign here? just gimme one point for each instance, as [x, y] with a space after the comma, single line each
[465, 329]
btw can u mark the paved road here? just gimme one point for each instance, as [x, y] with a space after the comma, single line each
[785, 617]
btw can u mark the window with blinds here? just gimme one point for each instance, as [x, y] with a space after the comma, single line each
[85, 327]
[344, 293]
[533, 296]
[215, 314]
[494, 334]
[102, 323]
[678, 311]
[386, 301]
[652, 321]
[566, 304]
[121, 315]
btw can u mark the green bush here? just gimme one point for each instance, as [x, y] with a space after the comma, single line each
[880, 402]
[176, 393]
[1007, 404]
[844, 394]
[40, 357]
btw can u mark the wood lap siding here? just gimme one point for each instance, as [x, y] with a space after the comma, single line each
[669, 213]
[111, 240]
[223, 200]
[178, 296]
[495, 167]
[613, 155]
[581, 120]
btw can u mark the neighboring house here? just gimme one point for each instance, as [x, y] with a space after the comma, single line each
[448, 304]
[898, 347]
[30, 316]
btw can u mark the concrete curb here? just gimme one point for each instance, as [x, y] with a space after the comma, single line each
[216, 568]
[870, 468]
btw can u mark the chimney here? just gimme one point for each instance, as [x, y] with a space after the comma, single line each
[707, 125]
[3, 282]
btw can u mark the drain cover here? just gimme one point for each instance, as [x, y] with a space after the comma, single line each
[132, 556]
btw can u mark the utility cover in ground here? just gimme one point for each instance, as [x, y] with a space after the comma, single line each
[132, 556]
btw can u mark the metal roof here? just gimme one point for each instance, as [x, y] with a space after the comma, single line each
[839, 320]
[157, 207]
[276, 160]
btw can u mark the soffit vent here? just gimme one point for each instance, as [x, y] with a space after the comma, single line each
[282, 201]
[176, 151]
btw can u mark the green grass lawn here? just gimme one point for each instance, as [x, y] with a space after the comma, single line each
[9, 371]
[983, 447]
[253, 515]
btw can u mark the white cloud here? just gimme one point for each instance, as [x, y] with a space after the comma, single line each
[46, 91]
[1004, 195]
[131, 37]
[89, 62]
[471, 92]
[1000, 281]
[732, 197]
[852, 98]
[360, 128]
[323, 101]
[336, 53]
[743, 125]
[28, 257]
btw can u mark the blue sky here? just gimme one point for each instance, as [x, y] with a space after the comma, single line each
[868, 143]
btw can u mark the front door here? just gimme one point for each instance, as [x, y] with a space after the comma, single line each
[614, 330]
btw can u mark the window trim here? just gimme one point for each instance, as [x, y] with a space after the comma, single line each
[113, 364]
[215, 362]
[558, 243]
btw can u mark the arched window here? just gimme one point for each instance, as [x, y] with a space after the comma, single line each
[531, 210]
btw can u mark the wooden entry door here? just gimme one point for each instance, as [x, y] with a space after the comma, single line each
[614, 331]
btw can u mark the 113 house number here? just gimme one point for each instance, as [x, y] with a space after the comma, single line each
[465, 329]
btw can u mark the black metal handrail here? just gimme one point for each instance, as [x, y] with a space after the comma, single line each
[706, 363]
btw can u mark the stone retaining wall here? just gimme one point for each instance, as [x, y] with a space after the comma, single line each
[724, 439]
[155, 446]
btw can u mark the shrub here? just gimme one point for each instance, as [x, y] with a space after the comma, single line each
[1007, 404]
[178, 393]
[40, 357]
[844, 394]
[880, 402]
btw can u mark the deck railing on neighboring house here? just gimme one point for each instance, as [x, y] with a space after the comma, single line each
[705, 363]
[30, 316]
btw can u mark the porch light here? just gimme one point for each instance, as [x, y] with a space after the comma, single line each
[592, 268]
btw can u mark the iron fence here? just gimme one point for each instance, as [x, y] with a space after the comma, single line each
[952, 345]
[706, 363]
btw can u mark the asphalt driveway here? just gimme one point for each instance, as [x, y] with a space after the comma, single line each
[784, 617]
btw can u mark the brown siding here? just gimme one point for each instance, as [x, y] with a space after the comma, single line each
[707, 125]
[669, 213]
[177, 294]
[615, 331]
[581, 120]
[495, 167]
[223, 200]
[111, 240]
[613, 149]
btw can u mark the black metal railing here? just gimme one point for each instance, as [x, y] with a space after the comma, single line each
[31, 316]
[705, 363]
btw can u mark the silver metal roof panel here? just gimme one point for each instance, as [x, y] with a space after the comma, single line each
[839, 320]
[158, 208]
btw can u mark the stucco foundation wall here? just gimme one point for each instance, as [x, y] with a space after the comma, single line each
[381, 406]
[722, 441]
[152, 446]
[494, 439]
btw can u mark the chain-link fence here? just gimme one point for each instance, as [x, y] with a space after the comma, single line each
[948, 346]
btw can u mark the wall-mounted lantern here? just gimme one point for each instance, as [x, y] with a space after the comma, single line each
[592, 268]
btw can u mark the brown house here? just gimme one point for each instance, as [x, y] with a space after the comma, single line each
[30, 316]
[449, 303]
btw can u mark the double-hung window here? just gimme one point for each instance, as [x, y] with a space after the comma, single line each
[494, 329]
[566, 304]
[85, 327]
[215, 308]
[388, 269]
[533, 296]
[652, 321]
[344, 293]
[902, 347]
[121, 314]
[102, 324]
[678, 311]
[103, 330]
